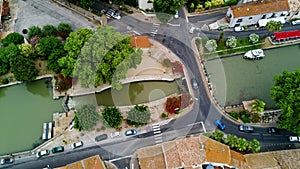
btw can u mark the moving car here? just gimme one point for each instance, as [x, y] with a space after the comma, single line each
[57, 149]
[101, 137]
[245, 128]
[294, 139]
[130, 132]
[239, 28]
[115, 134]
[220, 125]
[42, 153]
[7, 160]
[77, 145]
[194, 83]
[273, 130]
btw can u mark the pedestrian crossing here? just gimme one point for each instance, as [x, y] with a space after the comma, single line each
[154, 29]
[157, 133]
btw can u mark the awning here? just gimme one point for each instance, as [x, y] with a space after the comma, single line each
[287, 35]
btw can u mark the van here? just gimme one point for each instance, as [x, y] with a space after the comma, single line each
[296, 22]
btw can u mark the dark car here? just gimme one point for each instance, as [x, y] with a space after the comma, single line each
[101, 137]
[247, 129]
[273, 130]
[7, 160]
[130, 132]
[220, 125]
[57, 149]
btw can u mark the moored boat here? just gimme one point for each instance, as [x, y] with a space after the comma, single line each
[254, 54]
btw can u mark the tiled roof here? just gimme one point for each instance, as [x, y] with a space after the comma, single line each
[259, 7]
[5, 9]
[151, 157]
[140, 42]
[88, 163]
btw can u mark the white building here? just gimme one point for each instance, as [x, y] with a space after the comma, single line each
[145, 4]
[251, 13]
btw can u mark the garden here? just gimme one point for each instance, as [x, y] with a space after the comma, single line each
[200, 5]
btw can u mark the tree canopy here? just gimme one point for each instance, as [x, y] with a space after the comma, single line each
[52, 62]
[47, 45]
[274, 25]
[14, 38]
[231, 42]
[165, 9]
[105, 58]
[139, 115]
[35, 31]
[258, 106]
[23, 68]
[286, 93]
[253, 38]
[87, 116]
[49, 30]
[112, 116]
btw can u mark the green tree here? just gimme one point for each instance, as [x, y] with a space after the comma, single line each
[105, 58]
[139, 115]
[74, 43]
[231, 141]
[5, 54]
[286, 93]
[218, 135]
[86, 3]
[274, 25]
[47, 45]
[14, 38]
[211, 45]
[253, 38]
[23, 68]
[207, 5]
[27, 51]
[77, 123]
[87, 116]
[253, 146]
[231, 42]
[64, 30]
[258, 106]
[112, 116]
[242, 144]
[255, 118]
[49, 30]
[217, 3]
[52, 62]
[35, 31]
[164, 7]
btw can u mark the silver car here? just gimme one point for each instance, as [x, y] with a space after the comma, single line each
[245, 128]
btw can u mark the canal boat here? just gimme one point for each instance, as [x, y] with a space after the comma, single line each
[254, 54]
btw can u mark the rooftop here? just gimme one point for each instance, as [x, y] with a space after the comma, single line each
[259, 7]
[93, 162]
[140, 42]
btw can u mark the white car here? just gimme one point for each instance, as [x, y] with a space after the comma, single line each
[294, 138]
[176, 15]
[296, 22]
[42, 153]
[239, 29]
[76, 145]
[115, 134]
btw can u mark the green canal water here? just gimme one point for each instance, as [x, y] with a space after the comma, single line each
[24, 109]
[235, 79]
[131, 94]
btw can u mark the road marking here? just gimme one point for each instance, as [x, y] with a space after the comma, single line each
[193, 123]
[203, 126]
[158, 141]
[157, 132]
[173, 24]
[117, 159]
[157, 135]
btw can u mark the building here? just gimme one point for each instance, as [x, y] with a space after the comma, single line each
[262, 11]
[93, 162]
[5, 10]
[146, 5]
[194, 152]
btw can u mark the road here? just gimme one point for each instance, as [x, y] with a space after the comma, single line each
[205, 112]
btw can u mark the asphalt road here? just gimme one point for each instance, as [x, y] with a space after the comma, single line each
[177, 39]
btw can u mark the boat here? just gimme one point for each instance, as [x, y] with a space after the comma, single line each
[254, 54]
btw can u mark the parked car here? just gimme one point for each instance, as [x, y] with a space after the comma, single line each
[220, 125]
[192, 30]
[101, 137]
[77, 145]
[296, 22]
[57, 149]
[294, 139]
[130, 132]
[245, 128]
[176, 15]
[239, 28]
[273, 130]
[221, 28]
[194, 83]
[42, 153]
[116, 16]
[7, 160]
[115, 134]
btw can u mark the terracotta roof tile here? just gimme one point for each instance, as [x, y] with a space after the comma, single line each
[5, 9]
[256, 8]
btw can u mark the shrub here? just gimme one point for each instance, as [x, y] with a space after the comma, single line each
[167, 63]
[49, 30]
[34, 31]
[255, 118]
[211, 45]
[231, 42]
[14, 38]
[245, 116]
[234, 114]
[253, 38]
[164, 115]
[5, 81]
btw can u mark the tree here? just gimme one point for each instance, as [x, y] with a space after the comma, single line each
[139, 115]
[242, 144]
[6, 53]
[217, 3]
[286, 93]
[207, 5]
[74, 43]
[52, 62]
[231, 42]
[27, 51]
[34, 31]
[164, 7]
[253, 38]
[211, 45]
[64, 30]
[87, 116]
[105, 58]
[112, 116]
[274, 25]
[23, 68]
[231, 141]
[218, 136]
[258, 106]
[86, 3]
[49, 30]
[47, 45]
[253, 146]
[14, 38]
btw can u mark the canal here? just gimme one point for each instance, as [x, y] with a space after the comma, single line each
[235, 79]
[24, 109]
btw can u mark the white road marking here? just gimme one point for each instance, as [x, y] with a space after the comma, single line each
[117, 159]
